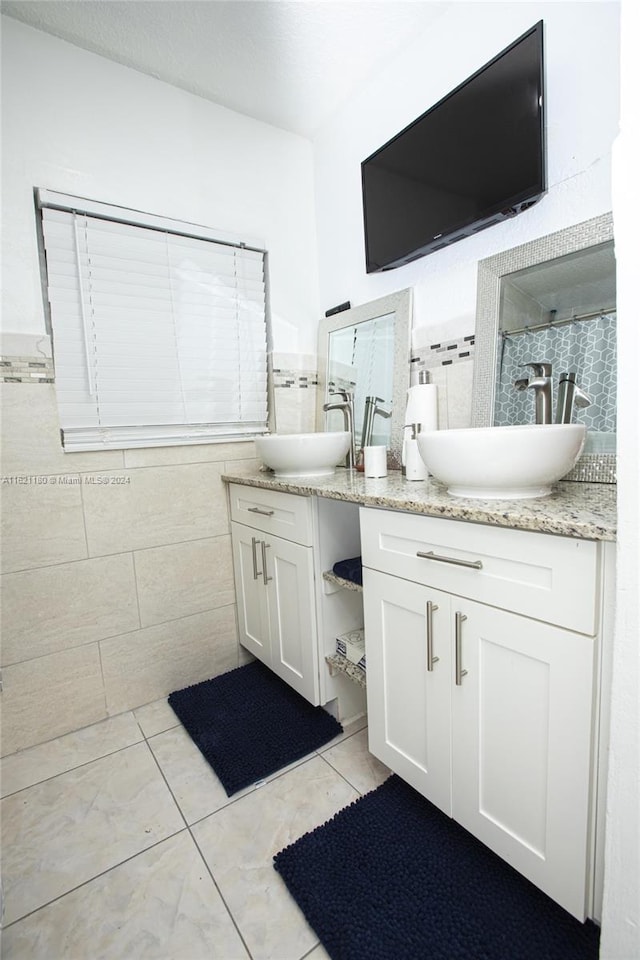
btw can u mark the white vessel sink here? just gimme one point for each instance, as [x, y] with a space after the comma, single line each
[502, 462]
[303, 454]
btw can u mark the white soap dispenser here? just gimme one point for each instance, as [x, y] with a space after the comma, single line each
[414, 466]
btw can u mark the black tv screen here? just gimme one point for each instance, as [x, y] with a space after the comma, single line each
[471, 160]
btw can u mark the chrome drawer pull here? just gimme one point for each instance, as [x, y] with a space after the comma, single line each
[265, 578]
[430, 657]
[263, 513]
[256, 573]
[460, 673]
[475, 564]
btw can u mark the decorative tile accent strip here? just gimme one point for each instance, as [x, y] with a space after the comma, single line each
[595, 468]
[443, 354]
[26, 369]
[298, 379]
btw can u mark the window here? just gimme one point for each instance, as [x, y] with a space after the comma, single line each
[159, 335]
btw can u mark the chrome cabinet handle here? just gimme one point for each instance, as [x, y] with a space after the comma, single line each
[256, 573]
[475, 564]
[265, 547]
[460, 673]
[429, 617]
[263, 513]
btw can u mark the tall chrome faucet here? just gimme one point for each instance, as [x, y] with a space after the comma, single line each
[349, 424]
[541, 384]
[371, 410]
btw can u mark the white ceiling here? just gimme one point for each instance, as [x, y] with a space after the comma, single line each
[290, 63]
[581, 282]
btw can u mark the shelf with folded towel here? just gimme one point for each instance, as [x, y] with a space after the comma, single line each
[339, 664]
[341, 582]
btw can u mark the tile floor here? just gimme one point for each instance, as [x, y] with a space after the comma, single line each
[119, 842]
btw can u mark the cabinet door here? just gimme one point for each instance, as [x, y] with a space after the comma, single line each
[291, 615]
[521, 745]
[251, 596]
[408, 704]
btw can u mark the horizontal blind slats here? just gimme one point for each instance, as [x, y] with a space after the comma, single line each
[172, 329]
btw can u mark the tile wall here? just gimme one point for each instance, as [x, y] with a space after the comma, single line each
[295, 384]
[116, 577]
[449, 364]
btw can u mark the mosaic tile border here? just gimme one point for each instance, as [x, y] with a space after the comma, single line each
[296, 379]
[442, 354]
[591, 467]
[36, 369]
[595, 468]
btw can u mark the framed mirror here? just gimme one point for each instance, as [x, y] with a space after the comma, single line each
[554, 300]
[367, 350]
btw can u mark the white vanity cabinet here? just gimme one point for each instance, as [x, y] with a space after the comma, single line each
[271, 536]
[481, 651]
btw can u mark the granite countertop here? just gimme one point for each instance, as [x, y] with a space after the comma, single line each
[583, 510]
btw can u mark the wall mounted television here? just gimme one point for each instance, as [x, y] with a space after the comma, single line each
[472, 160]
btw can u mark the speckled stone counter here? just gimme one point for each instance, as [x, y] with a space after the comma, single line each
[583, 510]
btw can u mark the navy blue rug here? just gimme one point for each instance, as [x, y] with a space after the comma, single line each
[391, 877]
[248, 723]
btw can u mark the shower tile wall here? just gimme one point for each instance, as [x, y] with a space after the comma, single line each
[587, 347]
[112, 594]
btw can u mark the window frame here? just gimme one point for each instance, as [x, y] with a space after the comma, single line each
[130, 437]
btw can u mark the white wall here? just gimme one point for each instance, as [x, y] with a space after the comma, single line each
[582, 63]
[621, 910]
[76, 122]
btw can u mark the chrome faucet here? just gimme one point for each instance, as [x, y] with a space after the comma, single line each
[541, 384]
[349, 424]
[570, 395]
[371, 410]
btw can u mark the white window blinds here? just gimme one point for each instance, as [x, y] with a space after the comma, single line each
[159, 338]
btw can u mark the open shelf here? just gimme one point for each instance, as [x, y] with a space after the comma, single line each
[338, 663]
[331, 577]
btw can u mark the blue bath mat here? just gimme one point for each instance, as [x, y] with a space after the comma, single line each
[391, 877]
[248, 723]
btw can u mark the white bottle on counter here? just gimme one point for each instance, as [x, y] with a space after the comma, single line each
[414, 467]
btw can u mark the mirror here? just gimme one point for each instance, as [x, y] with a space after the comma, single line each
[367, 349]
[554, 300]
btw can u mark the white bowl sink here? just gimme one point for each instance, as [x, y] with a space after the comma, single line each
[506, 463]
[303, 454]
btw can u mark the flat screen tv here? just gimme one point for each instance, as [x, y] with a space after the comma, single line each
[473, 159]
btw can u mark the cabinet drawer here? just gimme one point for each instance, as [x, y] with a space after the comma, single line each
[283, 514]
[541, 576]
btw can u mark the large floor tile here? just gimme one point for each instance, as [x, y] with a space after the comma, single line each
[192, 780]
[47, 760]
[352, 759]
[65, 831]
[161, 904]
[318, 953]
[194, 785]
[239, 842]
[348, 730]
[156, 717]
